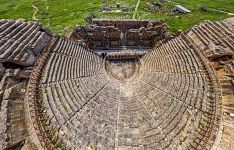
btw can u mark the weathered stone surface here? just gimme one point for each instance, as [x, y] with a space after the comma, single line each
[117, 33]
[171, 100]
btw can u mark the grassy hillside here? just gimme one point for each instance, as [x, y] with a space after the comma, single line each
[61, 16]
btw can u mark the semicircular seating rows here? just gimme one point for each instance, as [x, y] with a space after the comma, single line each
[172, 104]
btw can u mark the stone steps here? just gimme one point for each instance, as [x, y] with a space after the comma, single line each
[18, 38]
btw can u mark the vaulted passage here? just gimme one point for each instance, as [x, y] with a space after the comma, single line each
[11, 65]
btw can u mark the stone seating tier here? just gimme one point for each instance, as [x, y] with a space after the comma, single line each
[173, 101]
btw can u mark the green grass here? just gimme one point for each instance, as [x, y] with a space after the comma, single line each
[61, 16]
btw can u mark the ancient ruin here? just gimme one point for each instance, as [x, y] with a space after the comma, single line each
[117, 85]
[105, 33]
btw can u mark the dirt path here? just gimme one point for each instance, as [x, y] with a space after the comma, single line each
[136, 8]
[35, 12]
[228, 13]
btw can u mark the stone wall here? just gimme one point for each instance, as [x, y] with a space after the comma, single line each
[117, 33]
